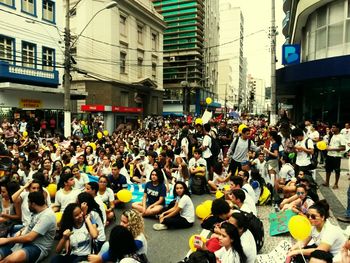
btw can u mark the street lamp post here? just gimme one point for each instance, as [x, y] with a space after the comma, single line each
[67, 63]
[273, 114]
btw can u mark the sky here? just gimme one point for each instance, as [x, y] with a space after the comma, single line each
[257, 17]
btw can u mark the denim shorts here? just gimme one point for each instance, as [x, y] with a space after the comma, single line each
[32, 252]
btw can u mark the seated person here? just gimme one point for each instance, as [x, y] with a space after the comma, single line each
[220, 211]
[298, 203]
[285, 175]
[220, 177]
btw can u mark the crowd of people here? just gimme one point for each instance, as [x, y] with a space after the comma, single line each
[67, 188]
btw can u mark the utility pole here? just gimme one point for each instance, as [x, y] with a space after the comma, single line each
[67, 81]
[226, 100]
[273, 114]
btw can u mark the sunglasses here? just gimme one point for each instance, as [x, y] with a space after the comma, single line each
[300, 193]
[311, 216]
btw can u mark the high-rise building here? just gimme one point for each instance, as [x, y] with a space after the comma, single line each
[231, 63]
[318, 87]
[190, 53]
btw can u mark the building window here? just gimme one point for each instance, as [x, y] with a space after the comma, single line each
[28, 6]
[49, 11]
[48, 59]
[123, 62]
[154, 71]
[7, 49]
[122, 25]
[140, 34]
[154, 41]
[7, 2]
[28, 55]
[124, 98]
[140, 67]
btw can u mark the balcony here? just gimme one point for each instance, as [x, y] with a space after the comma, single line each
[18, 74]
[285, 24]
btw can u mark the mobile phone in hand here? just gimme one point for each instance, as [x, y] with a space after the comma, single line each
[197, 242]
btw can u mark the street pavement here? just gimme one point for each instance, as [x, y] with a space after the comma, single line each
[171, 246]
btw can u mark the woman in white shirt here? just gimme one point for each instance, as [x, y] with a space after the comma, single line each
[181, 215]
[325, 236]
[231, 250]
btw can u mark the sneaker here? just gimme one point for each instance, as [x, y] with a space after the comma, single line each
[159, 227]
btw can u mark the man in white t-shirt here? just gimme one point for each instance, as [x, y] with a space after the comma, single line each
[304, 148]
[207, 155]
[335, 151]
[236, 182]
[346, 132]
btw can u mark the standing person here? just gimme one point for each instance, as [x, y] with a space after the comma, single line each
[225, 137]
[207, 154]
[238, 151]
[37, 238]
[181, 215]
[52, 124]
[304, 148]
[272, 154]
[346, 218]
[334, 154]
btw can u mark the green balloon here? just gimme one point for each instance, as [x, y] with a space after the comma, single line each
[291, 155]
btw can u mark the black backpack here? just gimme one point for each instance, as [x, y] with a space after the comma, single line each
[215, 147]
[199, 185]
[236, 142]
[256, 227]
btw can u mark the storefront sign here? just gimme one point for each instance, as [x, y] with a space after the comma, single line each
[126, 109]
[30, 103]
[92, 107]
[290, 54]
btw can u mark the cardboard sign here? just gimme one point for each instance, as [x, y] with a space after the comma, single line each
[277, 255]
[279, 222]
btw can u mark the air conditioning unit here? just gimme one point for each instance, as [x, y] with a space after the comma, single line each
[171, 59]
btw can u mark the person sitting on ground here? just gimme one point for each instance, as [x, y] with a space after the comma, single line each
[153, 200]
[105, 193]
[36, 239]
[80, 178]
[298, 203]
[239, 220]
[236, 182]
[76, 233]
[181, 215]
[327, 237]
[231, 251]
[237, 197]
[92, 189]
[246, 186]
[285, 175]
[220, 177]
[117, 181]
[220, 211]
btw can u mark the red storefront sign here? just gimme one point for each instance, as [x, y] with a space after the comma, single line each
[93, 107]
[126, 109]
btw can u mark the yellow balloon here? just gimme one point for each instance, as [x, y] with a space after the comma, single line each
[208, 100]
[299, 227]
[321, 145]
[191, 242]
[105, 206]
[93, 145]
[52, 189]
[208, 204]
[82, 122]
[219, 194]
[202, 211]
[227, 187]
[99, 135]
[105, 133]
[241, 127]
[25, 134]
[58, 217]
[198, 121]
[124, 195]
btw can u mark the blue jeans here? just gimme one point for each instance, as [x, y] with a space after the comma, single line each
[348, 209]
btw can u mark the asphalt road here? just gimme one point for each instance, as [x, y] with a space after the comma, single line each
[166, 246]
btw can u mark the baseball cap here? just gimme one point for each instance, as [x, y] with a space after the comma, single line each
[245, 163]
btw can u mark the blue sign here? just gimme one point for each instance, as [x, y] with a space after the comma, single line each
[290, 54]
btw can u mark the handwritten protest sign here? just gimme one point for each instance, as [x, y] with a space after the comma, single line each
[279, 222]
[277, 255]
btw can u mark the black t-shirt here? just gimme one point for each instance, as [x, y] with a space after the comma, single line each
[118, 183]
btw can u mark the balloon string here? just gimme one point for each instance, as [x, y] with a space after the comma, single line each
[299, 243]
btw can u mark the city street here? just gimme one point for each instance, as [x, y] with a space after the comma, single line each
[170, 246]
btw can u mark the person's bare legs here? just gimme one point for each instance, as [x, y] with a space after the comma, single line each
[18, 256]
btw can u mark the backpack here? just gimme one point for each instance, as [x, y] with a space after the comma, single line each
[256, 227]
[199, 185]
[215, 147]
[313, 158]
[265, 196]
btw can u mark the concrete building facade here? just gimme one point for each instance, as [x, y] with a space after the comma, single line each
[118, 59]
[317, 88]
[232, 76]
